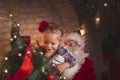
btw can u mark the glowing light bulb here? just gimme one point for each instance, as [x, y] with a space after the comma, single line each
[64, 78]
[28, 52]
[105, 4]
[60, 77]
[97, 19]
[6, 71]
[41, 53]
[15, 36]
[11, 39]
[19, 54]
[6, 58]
[11, 15]
[18, 24]
[82, 31]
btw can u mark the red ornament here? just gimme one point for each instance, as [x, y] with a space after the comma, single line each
[50, 76]
[43, 25]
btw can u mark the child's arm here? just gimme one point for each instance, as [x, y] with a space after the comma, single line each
[63, 60]
[69, 62]
[61, 67]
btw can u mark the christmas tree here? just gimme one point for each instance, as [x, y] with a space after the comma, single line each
[24, 61]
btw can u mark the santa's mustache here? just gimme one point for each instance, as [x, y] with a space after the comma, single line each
[77, 53]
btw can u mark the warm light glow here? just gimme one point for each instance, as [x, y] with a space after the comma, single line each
[11, 15]
[28, 52]
[6, 71]
[105, 4]
[11, 39]
[18, 24]
[97, 19]
[82, 31]
[34, 50]
[19, 54]
[6, 58]
[15, 36]
[60, 77]
[64, 78]
[41, 53]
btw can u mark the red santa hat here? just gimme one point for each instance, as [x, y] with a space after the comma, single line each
[75, 36]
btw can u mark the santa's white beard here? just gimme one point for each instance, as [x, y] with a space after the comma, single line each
[79, 55]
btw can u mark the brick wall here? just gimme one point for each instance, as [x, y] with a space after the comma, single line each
[93, 47]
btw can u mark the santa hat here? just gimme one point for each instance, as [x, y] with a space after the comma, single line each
[75, 36]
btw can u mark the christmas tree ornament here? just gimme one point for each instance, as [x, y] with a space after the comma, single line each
[50, 76]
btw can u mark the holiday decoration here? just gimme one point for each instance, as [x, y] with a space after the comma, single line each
[13, 59]
[43, 25]
[50, 76]
[24, 61]
[41, 68]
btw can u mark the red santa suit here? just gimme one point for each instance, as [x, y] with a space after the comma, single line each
[86, 72]
[84, 69]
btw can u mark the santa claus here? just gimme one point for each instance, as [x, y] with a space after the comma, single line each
[84, 68]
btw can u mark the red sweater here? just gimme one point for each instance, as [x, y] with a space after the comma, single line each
[86, 71]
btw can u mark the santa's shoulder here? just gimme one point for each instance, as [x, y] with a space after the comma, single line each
[88, 63]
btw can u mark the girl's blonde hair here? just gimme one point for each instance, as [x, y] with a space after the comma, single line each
[55, 29]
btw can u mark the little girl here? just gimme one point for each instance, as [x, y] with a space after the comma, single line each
[53, 52]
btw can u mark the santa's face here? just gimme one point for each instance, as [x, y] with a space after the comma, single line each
[74, 48]
[72, 43]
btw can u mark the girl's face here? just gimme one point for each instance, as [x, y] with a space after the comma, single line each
[51, 43]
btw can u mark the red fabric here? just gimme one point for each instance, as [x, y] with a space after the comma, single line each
[26, 67]
[109, 57]
[86, 71]
[116, 70]
[27, 41]
[37, 43]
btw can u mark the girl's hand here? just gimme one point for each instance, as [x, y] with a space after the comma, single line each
[61, 67]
